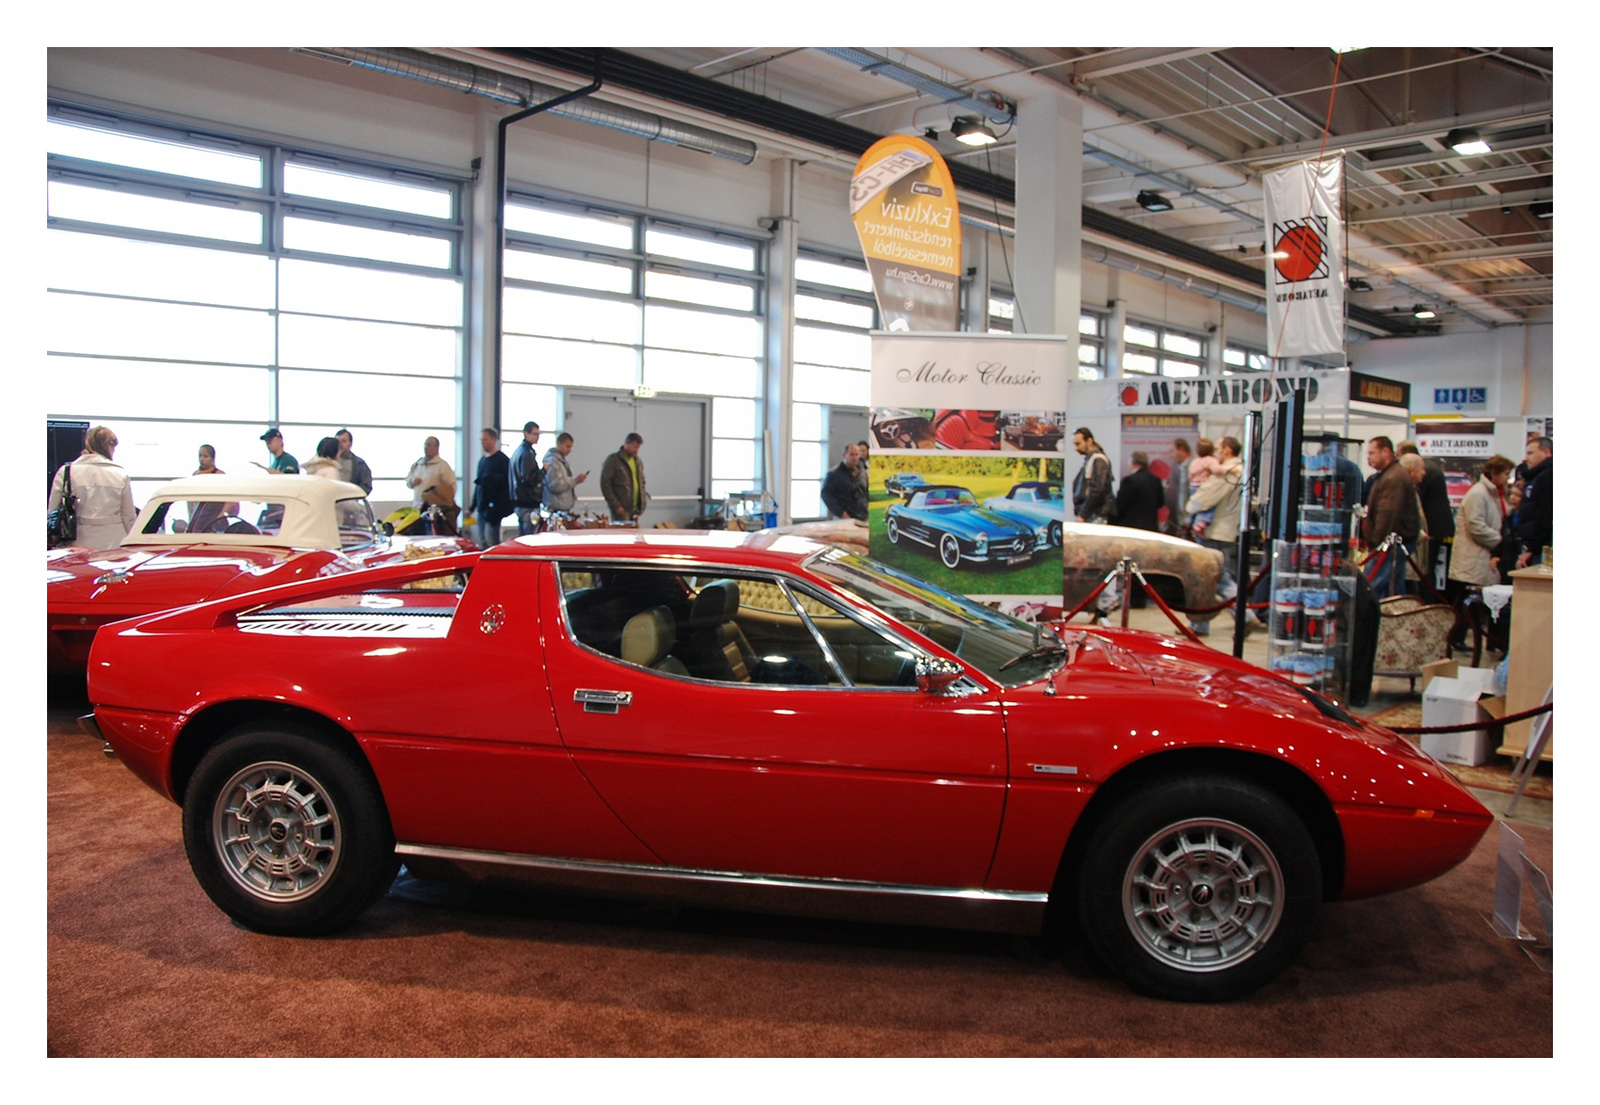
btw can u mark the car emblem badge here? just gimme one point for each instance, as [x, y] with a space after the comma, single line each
[1201, 895]
[494, 617]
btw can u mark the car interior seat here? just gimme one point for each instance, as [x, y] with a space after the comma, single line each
[717, 647]
[648, 638]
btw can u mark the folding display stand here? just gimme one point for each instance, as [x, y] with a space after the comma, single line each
[1513, 871]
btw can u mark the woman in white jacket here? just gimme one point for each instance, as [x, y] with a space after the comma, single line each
[1478, 524]
[103, 493]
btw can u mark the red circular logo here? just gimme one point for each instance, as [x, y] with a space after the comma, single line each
[1130, 396]
[1298, 253]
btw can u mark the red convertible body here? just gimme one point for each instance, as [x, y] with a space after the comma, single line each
[192, 541]
[763, 722]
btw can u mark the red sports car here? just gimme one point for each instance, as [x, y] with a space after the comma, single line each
[204, 537]
[760, 721]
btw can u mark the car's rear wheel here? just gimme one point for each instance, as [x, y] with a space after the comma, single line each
[949, 551]
[287, 834]
[1200, 888]
[1055, 534]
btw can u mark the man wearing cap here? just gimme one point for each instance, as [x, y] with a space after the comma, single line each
[283, 463]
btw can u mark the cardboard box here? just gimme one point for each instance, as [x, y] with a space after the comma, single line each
[1457, 700]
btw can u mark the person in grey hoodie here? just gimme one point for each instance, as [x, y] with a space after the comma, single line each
[560, 485]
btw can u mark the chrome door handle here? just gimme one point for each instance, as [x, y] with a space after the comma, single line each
[602, 702]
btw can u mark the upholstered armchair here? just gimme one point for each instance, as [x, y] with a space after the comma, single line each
[1411, 634]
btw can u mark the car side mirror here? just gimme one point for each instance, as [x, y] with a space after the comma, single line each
[388, 529]
[935, 674]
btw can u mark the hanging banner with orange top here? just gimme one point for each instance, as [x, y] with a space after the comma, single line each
[904, 206]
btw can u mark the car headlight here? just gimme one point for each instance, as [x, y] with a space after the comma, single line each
[981, 543]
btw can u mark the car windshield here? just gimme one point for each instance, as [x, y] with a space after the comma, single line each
[980, 635]
[1050, 494]
[944, 496]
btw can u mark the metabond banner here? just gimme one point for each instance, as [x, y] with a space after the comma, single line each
[904, 206]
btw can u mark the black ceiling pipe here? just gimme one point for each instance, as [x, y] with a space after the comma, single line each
[500, 216]
[666, 83]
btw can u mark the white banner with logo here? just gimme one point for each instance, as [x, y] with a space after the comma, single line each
[1305, 245]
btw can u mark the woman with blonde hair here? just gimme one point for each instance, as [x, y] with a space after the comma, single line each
[101, 489]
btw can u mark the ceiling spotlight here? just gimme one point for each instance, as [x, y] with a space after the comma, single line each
[1466, 141]
[972, 131]
[1540, 210]
[1357, 284]
[1423, 311]
[1153, 201]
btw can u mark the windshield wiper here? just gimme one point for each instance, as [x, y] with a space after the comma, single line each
[1037, 652]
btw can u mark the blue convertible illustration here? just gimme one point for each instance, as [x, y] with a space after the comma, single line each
[949, 520]
[1039, 504]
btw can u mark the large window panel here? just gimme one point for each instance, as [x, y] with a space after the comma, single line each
[369, 243]
[172, 331]
[721, 252]
[137, 211]
[154, 155]
[117, 388]
[520, 403]
[734, 460]
[709, 293]
[349, 345]
[837, 274]
[571, 272]
[613, 231]
[702, 331]
[733, 417]
[346, 187]
[837, 311]
[554, 315]
[698, 374]
[817, 345]
[841, 387]
[337, 398]
[327, 288]
[553, 361]
[157, 270]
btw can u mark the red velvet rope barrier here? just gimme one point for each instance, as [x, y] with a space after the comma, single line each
[1468, 727]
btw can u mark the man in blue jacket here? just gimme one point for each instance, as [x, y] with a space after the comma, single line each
[491, 491]
[527, 478]
[1536, 516]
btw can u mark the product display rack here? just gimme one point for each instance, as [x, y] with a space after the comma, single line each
[1313, 581]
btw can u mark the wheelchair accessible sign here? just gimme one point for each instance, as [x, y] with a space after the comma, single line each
[1461, 399]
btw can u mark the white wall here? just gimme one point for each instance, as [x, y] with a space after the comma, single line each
[1516, 364]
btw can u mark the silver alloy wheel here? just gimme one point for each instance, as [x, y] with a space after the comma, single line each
[276, 831]
[893, 526]
[949, 551]
[1203, 895]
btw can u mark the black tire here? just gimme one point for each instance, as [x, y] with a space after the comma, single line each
[949, 551]
[1215, 919]
[893, 528]
[315, 847]
[1055, 534]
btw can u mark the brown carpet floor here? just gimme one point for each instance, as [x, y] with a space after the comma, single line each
[141, 964]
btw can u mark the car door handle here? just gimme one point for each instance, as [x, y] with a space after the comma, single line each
[602, 702]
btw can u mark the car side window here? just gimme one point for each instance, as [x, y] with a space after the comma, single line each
[725, 628]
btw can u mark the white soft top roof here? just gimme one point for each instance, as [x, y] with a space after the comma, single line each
[309, 516]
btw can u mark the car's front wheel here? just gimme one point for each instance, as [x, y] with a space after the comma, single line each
[893, 526]
[1055, 534]
[949, 551]
[287, 834]
[1200, 888]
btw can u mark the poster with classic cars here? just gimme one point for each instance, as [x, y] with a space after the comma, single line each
[967, 470]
